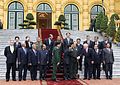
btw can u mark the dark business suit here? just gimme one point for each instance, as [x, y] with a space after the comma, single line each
[33, 60]
[80, 48]
[50, 46]
[10, 62]
[23, 62]
[90, 43]
[108, 59]
[103, 44]
[73, 62]
[66, 61]
[97, 63]
[98, 43]
[66, 42]
[88, 57]
[17, 46]
[43, 60]
[28, 44]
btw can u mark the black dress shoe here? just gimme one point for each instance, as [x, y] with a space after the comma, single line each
[19, 79]
[99, 78]
[14, 79]
[88, 78]
[110, 78]
[84, 78]
[7, 80]
[24, 79]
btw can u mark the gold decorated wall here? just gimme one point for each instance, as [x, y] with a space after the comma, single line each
[84, 7]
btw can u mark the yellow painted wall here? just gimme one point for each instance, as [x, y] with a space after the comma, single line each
[84, 6]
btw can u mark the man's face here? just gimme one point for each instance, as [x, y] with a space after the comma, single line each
[51, 36]
[38, 39]
[34, 46]
[85, 46]
[17, 39]
[108, 45]
[58, 38]
[44, 46]
[78, 41]
[95, 47]
[68, 35]
[11, 42]
[88, 37]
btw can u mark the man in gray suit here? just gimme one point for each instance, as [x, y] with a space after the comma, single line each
[108, 60]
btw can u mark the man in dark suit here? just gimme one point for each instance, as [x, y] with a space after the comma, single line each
[17, 45]
[105, 41]
[97, 42]
[22, 61]
[28, 42]
[97, 62]
[73, 60]
[89, 42]
[67, 40]
[43, 60]
[49, 42]
[108, 60]
[80, 48]
[10, 53]
[66, 60]
[33, 62]
[88, 61]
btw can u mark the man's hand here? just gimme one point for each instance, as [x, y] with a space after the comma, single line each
[58, 63]
[29, 64]
[78, 57]
[19, 63]
[92, 62]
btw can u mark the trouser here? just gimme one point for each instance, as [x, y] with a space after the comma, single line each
[66, 71]
[54, 71]
[96, 70]
[87, 70]
[43, 69]
[108, 70]
[9, 66]
[73, 69]
[33, 72]
[80, 63]
[21, 68]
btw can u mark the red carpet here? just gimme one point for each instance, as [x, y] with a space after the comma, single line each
[64, 82]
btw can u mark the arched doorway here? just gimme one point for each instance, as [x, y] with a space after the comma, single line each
[71, 13]
[15, 15]
[44, 16]
[96, 9]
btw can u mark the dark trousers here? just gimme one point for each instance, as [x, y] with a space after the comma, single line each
[33, 72]
[96, 70]
[80, 63]
[73, 70]
[87, 70]
[108, 70]
[43, 69]
[9, 67]
[21, 68]
[66, 71]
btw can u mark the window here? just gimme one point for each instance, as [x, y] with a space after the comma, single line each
[71, 13]
[96, 10]
[15, 15]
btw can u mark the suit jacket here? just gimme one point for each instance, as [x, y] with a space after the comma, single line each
[32, 57]
[65, 42]
[17, 45]
[103, 44]
[22, 56]
[97, 56]
[88, 56]
[27, 44]
[11, 57]
[66, 56]
[43, 57]
[73, 54]
[49, 46]
[90, 44]
[80, 48]
[108, 56]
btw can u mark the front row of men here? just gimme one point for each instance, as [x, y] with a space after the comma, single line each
[40, 56]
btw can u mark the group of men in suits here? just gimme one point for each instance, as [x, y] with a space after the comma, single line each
[41, 55]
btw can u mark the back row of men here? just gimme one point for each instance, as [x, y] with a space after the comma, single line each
[40, 56]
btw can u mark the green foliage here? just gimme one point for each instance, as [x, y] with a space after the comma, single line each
[28, 23]
[111, 30]
[115, 17]
[30, 16]
[62, 18]
[104, 23]
[117, 36]
[98, 20]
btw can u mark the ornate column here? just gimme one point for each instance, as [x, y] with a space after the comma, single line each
[2, 11]
[85, 15]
